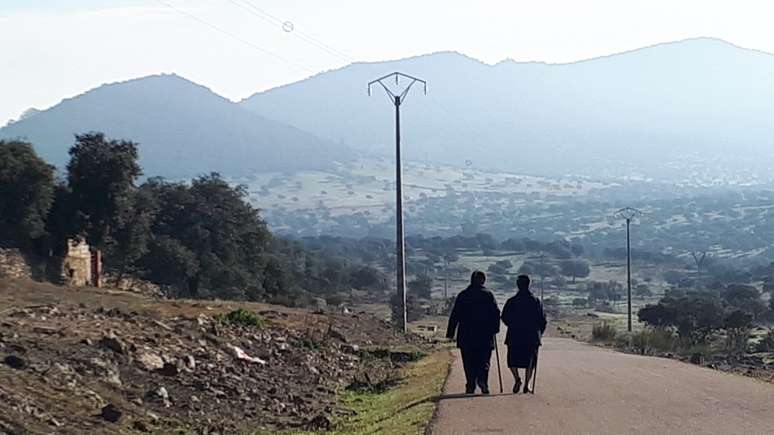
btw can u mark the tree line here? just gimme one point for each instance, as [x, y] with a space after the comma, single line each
[196, 239]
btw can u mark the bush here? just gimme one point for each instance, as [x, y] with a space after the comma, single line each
[309, 343]
[604, 308]
[649, 340]
[603, 332]
[241, 317]
[767, 343]
[335, 299]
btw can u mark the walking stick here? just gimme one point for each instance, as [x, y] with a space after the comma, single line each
[534, 371]
[497, 356]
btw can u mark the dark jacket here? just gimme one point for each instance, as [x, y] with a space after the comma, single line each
[475, 317]
[526, 321]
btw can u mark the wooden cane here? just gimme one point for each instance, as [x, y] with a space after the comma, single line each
[497, 356]
[534, 371]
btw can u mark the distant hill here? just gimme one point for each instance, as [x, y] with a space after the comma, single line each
[184, 129]
[653, 111]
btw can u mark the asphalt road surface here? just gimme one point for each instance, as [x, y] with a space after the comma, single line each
[583, 389]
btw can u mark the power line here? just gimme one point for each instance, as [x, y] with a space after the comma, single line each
[271, 19]
[236, 37]
[267, 17]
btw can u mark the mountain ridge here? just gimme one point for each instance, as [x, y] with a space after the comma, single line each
[183, 129]
[641, 110]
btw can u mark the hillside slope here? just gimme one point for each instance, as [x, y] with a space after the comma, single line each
[176, 366]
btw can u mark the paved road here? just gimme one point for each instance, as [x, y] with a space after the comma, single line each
[583, 389]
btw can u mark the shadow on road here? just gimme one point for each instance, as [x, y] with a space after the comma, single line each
[466, 396]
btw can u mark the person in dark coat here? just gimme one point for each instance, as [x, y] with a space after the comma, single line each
[476, 320]
[523, 315]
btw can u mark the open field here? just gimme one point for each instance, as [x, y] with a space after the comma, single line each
[357, 200]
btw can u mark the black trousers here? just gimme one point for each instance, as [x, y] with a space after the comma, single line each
[475, 361]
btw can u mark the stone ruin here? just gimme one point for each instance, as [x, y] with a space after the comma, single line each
[13, 264]
[78, 266]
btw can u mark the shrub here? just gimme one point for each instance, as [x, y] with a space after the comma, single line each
[603, 332]
[335, 299]
[767, 343]
[649, 340]
[579, 302]
[309, 343]
[241, 317]
[395, 356]
[604, 308]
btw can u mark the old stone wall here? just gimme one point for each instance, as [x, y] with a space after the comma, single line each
[13, 264]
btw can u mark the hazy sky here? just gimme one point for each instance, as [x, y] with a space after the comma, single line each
[54, 49]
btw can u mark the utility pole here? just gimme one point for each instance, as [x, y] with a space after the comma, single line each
[698, 258]
[397, 99]
[628, 214]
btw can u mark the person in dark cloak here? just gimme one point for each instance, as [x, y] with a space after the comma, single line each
[523, 315]
[476, 320]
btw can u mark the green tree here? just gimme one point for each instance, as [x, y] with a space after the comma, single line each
[169, 263]
[642, 291]
[744, 297]
[27, 192]
[658, 315]
[421, 286]
[367, 278]
[101, 176]
[738, 325]
[694, 318]
[129, 240]
[575, 269]
[230, 244]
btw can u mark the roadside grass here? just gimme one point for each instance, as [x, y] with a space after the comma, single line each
[404, 409]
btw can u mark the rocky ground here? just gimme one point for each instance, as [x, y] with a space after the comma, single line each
[99, 361]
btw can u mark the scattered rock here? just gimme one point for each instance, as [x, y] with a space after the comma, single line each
[320, 422]
[113, 343]
[336, 334]
[149, 361]
[141, 426]
[169, 369]
[45, 330]
[159, 395]
[241, 355]
[15, 362]
[111, 413]
[190, 362]
[162, 325]
[351, 348]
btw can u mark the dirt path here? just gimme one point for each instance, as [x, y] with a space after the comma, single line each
[583, 389]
